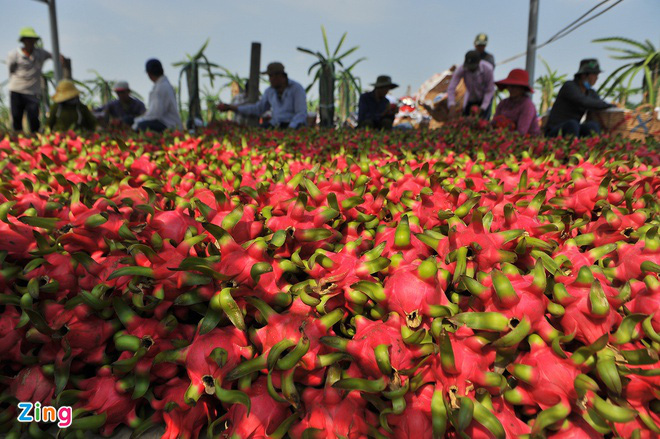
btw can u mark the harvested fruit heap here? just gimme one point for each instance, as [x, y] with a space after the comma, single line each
[243, 283]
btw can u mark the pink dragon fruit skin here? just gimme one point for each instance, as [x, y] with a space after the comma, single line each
[370, 334]
[32, 385]
[201, 369]
[11, 337]
[630, 257]
[415, 421]
[103, 394]
[589, 305]
[643, 394]
[504, 412]
[411, 291]
[522, 298]
[575, 428]
[548, 379]
[86, 333]
[183, 421]
[402, 239]
[292, 325]
[336, 416]
[646, 297]
[472, 365]
[61, 268]
[265, 416]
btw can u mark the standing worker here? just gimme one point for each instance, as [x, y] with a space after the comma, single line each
[479, 85]
[25, 64]
[480, 43]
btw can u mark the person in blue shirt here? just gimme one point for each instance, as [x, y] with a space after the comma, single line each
[374, 109]
[124, 109]
[285, 98]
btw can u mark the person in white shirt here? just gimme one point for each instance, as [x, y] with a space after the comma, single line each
[25, 64]
[285, 98]
[163, 112]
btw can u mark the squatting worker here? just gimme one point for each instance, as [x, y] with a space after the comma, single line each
[374, 109]
[67, 112]
[480, 43]
[25, 64]
[574, 99]
[125, 108]
[479, 85]
[163, 112]
[285, 98]
[517, 111]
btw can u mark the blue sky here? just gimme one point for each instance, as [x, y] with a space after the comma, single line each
[407, 39]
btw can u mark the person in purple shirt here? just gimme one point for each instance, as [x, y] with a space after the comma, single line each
[517, 111]
[479, 85]
[125, 108]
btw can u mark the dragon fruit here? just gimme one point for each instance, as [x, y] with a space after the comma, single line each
[181, 420]
[104, 394]
[331, 415]
[208, 359]
[417, 291]
[267, 417]
[590, 304]
[519, 298]
[379, 350]
[31, 384]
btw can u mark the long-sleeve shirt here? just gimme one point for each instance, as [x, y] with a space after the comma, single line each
[521, 112]
[25, 71]
[573, 103]
[290, 108]
[479, 85]
[162, 105]
[371, 110]
[488, 57]
[117, 110]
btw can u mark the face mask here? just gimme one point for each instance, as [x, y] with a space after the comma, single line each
[586, 84]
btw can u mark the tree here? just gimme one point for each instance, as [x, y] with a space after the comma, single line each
[101, 86]
[642, 57]
[190, 68]
[547, 85]
[350, 88]
[325, 74]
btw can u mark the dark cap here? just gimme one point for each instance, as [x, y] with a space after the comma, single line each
[589, 65]
[154, 67]
[274, 68]
[472, 59]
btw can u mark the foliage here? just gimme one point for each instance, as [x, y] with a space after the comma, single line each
[641, 58]
[548, 84]
[350, 89]
[190, 69]
[326, 70]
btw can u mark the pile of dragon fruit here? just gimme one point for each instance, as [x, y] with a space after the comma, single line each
[462, 283]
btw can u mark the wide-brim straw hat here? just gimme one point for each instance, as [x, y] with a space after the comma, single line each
[384, 81]
[65, 90]
[28, 32]
[517, 77]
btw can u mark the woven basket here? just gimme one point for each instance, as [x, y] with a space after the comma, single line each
[437, 108]
[637, 124]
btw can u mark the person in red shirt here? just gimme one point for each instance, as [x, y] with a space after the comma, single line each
[517, 111]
